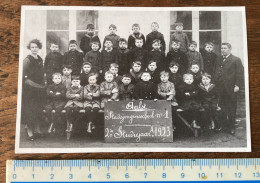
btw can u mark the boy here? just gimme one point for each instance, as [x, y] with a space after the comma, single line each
[114, 70]
[154, 72]
[108, 89]
[91, 103]
[157, 55]
[66, 75]
[94, 57]
[53, 62]
[112, 36]
[209, 58]
[86, 71]
[175, 76]
[126, 89]
[136, 34]
[181, 37]
[177, 56]
[73, 57]
[208, 95]
[195, 71]
[75, 95]
[165, 88]
[154, 35]
[139, 53]
[187, 98]
[109, 55]
[123, 57]
[135, 72]
[85, 43]
[194, 56]
[55, 101]
[145, 89]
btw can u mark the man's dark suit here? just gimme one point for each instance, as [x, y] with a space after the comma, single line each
[228, 74]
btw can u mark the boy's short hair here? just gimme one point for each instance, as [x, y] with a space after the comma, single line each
[164, 73]
[178, 24]
[122, 40]
[86, 63]
[206, 75]
[137, 63]
[90, 26]
[152, 61]
[35, 41]
[93, 74]
[194, 63]
[208, 43]
[73, 42]
[135, 25]
[108, 72]
[56, 74]
[94, 42]
[175, 41]
[113, 26]
[156, 41]
[155, 23]
[192, 43]
[144, 72]
[75, 77]
[138, 38]
[227, 44]
[114, 65]
[126, 76]
[67, 67]
[187, 75]
[108, 39]
[54, 42]
[173, 63]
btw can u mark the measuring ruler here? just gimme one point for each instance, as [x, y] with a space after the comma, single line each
[134, 170]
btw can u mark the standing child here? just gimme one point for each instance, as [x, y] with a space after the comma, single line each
[109, 55]
[94, 57]
[135, 72]
[154, 71]
[166, 89]
[73, 57]
[85, 43]
[175, 76]
[114, 70]
[91, 103]
[53, 62]
[108, 89]
[195, 71]
[126, 89]
[157, 55]
[66, 75]
[123, 57]
[86, 71]
[56, 93]
[181, 37]
[112, 36]
[194, 56]
[154, 35]
[136, 34]
[209, 58]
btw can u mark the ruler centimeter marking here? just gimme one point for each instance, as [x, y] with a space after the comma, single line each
[133, 170]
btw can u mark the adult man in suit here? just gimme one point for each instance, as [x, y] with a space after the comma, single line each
[229, 76]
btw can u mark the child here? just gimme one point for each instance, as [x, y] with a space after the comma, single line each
[73, 57]
[181, 37]
[126, 89]
[109, 55]
[123, 57]
[56, 93]
[66, 75]
[165, 88]
[194, 56]
[209, 58]
[108, 89]
[177, 56]
[145, 89]
[154, 35]
[139, 53]
[114, 70]
[157, 55]
[175, 76]
[154, 72]
[85, 43]
[136, 34]
[53, 62]
[91, 103]
[195, 71]
[74, 105]
[94, 57]
[86, 71]
[112, 36]
[135, 72]
[208, 95]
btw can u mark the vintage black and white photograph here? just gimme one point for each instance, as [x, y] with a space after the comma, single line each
[128, 79]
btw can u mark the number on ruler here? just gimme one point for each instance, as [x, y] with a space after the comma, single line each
[14, 176]
[219, 175]
[33, 176]
[89, 176]
[238, 175]
[201, 175]
[182, 175]
[52, 176]
[70, 176]
[164, 175]
[126, 175]
[108, 175]
[256, 174]
[145, 175]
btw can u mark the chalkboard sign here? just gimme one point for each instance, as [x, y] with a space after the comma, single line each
[138, 121]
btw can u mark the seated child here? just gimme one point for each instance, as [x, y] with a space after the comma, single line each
[158, 55]
[75, 95]
[175, 76]
[66, 76]
[109, 55]
[108, 89]
[209, 98]
[114, 70]
[209, 58]
[53, 62]
[91, 101]
[112, 36]
[154, 72]
[126, 89]
[85, 43]
[195, 71]
[187, 98]
[73, 57]
[136, 34]
[135, 72]
[165, 88]
[154, 35]
[123, 57]
[94, 57]
[145, 89]
[86, 71]
[181, 37]
[177, 56]
[55, 101]
[194, 56]
[139, 53]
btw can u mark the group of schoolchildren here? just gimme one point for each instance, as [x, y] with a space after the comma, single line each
[81, 83]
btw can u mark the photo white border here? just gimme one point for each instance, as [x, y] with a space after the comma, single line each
[132, 149]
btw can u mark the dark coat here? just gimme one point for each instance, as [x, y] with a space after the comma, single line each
[85, 43]
[183, 38]
[108, 58]
[126, 92]
[115, 40]
[53, 98]
[123, 61]
[176, 79]
[145, 90]
[209, 60]
[139, 54]
[178, 57]
[94, 57]
[152, 36]
[155, 76]
[208, 98]
[159, 57]
[195, 57]
[196, 77]
[135, 77]
[84, 78]
[131, 40]
[75, 59]
[52, 64]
